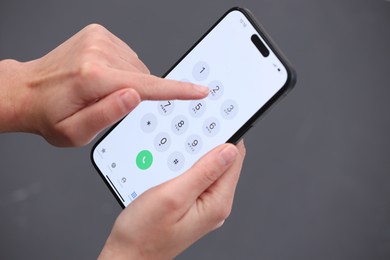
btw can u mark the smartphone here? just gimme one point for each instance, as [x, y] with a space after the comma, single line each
[160, 140]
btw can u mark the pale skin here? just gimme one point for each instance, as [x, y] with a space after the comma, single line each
[87, 84]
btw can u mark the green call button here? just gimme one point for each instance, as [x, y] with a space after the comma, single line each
[144, 159]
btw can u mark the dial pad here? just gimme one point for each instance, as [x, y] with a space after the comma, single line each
[188, 125]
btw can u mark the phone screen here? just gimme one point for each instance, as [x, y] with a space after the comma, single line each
[159, 140]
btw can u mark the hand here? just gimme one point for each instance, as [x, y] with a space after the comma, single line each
[86, 84]
[168, 218]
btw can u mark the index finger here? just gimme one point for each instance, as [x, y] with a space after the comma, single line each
[151, 87]
[102, 81]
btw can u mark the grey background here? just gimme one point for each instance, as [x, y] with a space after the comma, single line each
[316, 179]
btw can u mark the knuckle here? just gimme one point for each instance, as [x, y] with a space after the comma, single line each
[209, 173]
[147, 83]
[69, 136]
[210, 176]
[108, 116]
[95, 38]
[221, 212]
[219, 224]
[87, 71]
[95, 27]
[93, 50]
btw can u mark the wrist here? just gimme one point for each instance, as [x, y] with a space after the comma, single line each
[13, 75]
[113, 251]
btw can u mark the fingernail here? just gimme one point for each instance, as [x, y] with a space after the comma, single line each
[228, 155]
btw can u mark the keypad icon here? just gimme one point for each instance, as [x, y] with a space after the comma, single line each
[229, 109]
[197, 108]
[216, 89]
[162, 142]
[211, 126]
[201, 71]
[176, 161]
[193, 144]
[179, 124]
[148, 123]
[133, 195]
[165, 107]
[144, 159]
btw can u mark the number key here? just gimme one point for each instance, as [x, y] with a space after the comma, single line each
[179, 124]
[197, 108]
[216, 89]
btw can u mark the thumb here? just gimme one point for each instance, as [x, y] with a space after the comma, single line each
[190, 185]
[89, 121]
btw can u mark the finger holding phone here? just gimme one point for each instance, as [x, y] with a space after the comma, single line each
[168, 218]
